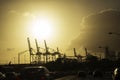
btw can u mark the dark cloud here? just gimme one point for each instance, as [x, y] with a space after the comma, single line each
[95, 28]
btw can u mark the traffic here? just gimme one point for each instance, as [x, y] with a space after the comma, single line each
[42, 73]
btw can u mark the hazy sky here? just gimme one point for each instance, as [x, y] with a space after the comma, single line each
[73, 23]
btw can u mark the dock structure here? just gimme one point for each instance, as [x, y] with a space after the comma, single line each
[37, 56]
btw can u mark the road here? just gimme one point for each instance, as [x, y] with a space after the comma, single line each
[67, 78]
[72, 77]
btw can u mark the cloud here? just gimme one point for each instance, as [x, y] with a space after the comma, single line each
[95, 28]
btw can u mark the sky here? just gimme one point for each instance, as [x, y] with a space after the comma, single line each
[66, 24]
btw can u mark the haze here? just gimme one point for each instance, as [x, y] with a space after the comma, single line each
[73, 24]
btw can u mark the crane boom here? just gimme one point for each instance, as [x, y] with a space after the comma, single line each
[30, 49]
[37, 45]
[46, 46]
[75, 54]
[86, 52]
[46, 53]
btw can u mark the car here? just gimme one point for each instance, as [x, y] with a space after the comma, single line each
[35, 73]
[116, 74]
[8, 72]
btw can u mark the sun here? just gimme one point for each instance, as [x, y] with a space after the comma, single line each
[41, 28]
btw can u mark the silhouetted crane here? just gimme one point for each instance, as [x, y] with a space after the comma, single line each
[86, 52]
[47, 52]
[30, 51]
[79, 57]
[55, 54]
[38, 54]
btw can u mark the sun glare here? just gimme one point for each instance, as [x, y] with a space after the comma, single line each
[41, 28]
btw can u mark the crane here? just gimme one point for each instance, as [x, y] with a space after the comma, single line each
[79, 57]
[38, 51]
[47, 52]
[30, 51]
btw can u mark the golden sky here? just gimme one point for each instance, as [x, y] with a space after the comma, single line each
[61, 19]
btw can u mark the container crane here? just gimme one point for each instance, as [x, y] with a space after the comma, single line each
[86, 52]
[56, 53]
[30, 51]
[38, 52]
[75, 54]
[47, 52]
[79, 57]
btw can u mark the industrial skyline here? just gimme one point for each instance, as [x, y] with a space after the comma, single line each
[66, 24]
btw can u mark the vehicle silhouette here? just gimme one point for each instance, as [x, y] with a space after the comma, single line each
[35, 73]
